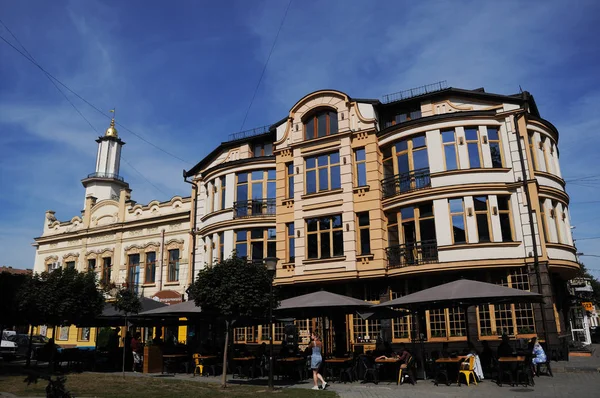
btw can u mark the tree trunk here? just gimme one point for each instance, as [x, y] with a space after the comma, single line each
[224, 377]
[53, 354]
[30, 346]
[124, 337]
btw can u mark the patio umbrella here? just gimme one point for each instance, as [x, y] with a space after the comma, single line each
[187, 308]
[381, 313]
[462, 293]
[112, 317]
[319, 303]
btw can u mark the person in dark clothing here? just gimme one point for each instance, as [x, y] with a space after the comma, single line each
[505, 349]
[486, 356]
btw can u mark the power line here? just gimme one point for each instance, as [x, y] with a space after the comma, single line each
[265, 67]
[48, 74]
[589, 238]
[73, 105]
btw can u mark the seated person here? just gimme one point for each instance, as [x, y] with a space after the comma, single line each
[403, 357]
[539, 356]
[505, 349]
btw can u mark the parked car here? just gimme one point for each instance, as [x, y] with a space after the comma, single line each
[22, 341]
[8, 349]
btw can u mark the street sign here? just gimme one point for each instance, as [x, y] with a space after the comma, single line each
[588, 306]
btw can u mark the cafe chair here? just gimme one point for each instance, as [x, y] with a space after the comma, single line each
[547, 370]
[198, 365]
[408, 372]
[468, 372]
[369, 368]
[349, 373]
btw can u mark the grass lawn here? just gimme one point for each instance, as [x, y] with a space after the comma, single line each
[100, 385]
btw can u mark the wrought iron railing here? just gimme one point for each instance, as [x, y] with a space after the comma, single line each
[414, 92]
[412, 253]
[106, 175]
[406, 182]
[249, 133]
[254, 208]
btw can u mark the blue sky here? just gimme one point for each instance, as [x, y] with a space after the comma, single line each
[182, 73]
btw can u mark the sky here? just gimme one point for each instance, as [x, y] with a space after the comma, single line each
[182, 74]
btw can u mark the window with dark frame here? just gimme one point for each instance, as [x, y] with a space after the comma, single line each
[221, 246]
[173, 265]
[450, 149]
[255, 244]
[91, 264]
[493, 135]
[291, 242]
[457, 215]
[133, 269]
[364, 234]
[360, 164]
[106, 270]
[324, 237]
[289, 167]
[150, 271]
[323, 173]
[321, 124]
[263, 149]
[482, 215]
[505, 218]
[223, 191]
[70, 264]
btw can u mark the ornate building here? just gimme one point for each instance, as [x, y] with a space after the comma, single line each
[144, 247]
[380, 199]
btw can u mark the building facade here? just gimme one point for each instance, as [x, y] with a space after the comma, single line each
[380, 199]
[142, 247]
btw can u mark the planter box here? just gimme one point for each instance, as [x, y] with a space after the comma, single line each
[153, 360]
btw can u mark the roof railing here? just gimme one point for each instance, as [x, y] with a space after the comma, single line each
[249, 133]
[414, 92]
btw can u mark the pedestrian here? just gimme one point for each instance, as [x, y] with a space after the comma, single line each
[316, 360]
[137, 350]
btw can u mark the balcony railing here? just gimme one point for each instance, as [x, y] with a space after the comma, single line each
[412, 253]
[415, 92]
[254, 208]
[406, 182]
[106, 175]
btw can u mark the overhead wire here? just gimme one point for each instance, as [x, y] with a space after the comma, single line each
[265, 67]
[48, 74]
[32, 59]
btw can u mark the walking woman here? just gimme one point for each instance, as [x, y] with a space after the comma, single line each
[316, 360]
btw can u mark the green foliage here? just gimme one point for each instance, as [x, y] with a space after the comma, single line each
[61, 297]
[127, 301]
[10, 285]
[584, 273]
[233, 288]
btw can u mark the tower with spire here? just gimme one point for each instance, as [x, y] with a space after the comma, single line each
[105, 182]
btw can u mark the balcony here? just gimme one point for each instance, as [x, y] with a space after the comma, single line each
[254, 208]
[406, 182]
[106, 175]
[412, 253]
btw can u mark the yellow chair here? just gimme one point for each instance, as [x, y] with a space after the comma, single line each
[408, 371]
[198, 365]
[468, 372]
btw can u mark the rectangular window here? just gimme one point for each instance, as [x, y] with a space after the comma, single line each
[505, 218]
[448, 322]
[366, 331]
[70, 264]
[324, 237]
[450, 151]
[557, 216]
[223, 192]
[63, 333]
[363, 233]
[323, 173]
[256, 243]
[106, 270]
[360, 164]
[291, 242]
[263, 149]
[83, 334]
[457, 216]
[401, 327]
[150, 273]
[495, 149]
[321, 124]
[290, 180]
[91, 264]
[473, 147]
[174, 265]
[221, 246]
[133, 274]
[482, 218]
[215, 196]
[241, 246]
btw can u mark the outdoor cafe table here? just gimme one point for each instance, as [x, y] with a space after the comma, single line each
[247, 361]
[204, 358]
[444, 362]
[387, 361]
[172, 359]
[336, 363]
[519, 360]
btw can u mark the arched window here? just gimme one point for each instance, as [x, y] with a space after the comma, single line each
[320, 124]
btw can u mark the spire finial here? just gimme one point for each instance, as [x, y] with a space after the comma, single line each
[112, 131]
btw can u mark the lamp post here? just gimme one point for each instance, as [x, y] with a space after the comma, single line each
[271, 264]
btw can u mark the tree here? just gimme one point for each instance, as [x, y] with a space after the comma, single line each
[127, 302]
[584, 273]
[10, 285]
[231, 289]
[62, 297]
